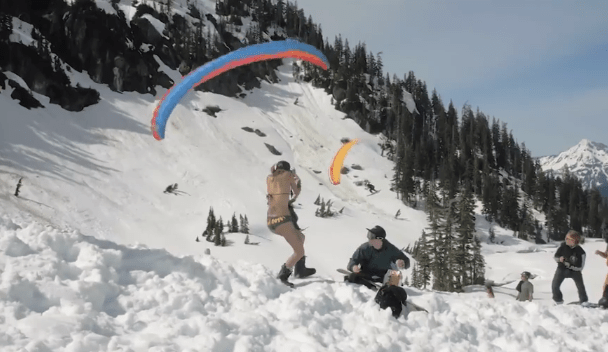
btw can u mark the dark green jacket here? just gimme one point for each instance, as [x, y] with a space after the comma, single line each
[376, 262]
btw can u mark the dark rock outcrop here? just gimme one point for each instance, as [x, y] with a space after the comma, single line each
[272, 149]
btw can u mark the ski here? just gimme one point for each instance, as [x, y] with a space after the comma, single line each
[288, 284]
[586, 305]
[415, 306]
[366, 280]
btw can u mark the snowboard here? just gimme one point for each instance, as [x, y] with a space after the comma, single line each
[588, 305]
[374, 193]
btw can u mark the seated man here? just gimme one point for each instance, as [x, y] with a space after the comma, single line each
[374, 258]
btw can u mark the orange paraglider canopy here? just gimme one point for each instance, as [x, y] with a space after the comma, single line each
[336, 165]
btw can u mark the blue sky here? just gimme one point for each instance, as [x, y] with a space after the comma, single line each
[540, 66]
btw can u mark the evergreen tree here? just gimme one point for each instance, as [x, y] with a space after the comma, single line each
[244, 227]
[6, 27]
[464, 242]
[492, 234]
[211, 223]
[477, 264]
[593, 216]
[423, 261]
[219, 228]
[234, 225]
[416, 277]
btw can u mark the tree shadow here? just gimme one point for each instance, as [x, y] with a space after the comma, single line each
[33, 201]
[52, 142]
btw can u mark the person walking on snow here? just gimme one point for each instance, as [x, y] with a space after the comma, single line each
[525, 287]
[279, 184]
[373, 258]
[570, 258]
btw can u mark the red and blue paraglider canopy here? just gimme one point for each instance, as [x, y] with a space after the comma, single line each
[259, 52]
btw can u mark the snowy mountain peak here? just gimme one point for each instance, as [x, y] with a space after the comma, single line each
[587, 160]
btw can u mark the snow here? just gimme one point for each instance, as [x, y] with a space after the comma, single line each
[587, 160]
[95, 257]
[583, 155]
[62, 290]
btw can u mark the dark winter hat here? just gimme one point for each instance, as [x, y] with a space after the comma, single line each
[376, 232]
[283, 165]
[526, 274]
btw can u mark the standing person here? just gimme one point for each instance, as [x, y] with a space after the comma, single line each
[279, 184]
[525, 287]
[604, 300]
[570, 258]
[373, 258]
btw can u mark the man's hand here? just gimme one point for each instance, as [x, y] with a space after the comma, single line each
[356, 268]
[400, 264]
[561, 259]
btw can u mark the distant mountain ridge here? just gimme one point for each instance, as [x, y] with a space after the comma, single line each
[587, 160]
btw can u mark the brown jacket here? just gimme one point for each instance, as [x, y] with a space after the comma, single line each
[278, 187]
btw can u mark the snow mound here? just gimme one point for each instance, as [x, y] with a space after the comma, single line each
[60, 290]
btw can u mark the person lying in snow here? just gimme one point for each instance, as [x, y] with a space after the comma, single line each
[373, 259]
[391, 294]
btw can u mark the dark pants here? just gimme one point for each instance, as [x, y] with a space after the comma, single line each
[361, 279]
[558, 278]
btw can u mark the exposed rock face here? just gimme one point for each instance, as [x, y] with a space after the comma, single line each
[115, 52]
[272, 149]
[26, 99]
[42, 78]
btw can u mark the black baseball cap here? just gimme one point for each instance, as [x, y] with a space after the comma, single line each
[283, 165]
[376, 232]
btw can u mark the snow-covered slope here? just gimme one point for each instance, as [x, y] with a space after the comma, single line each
[94, 256]
[102, 172]
[587, 160]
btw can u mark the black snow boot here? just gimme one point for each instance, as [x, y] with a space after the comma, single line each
[284, 275]
[301, 271]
